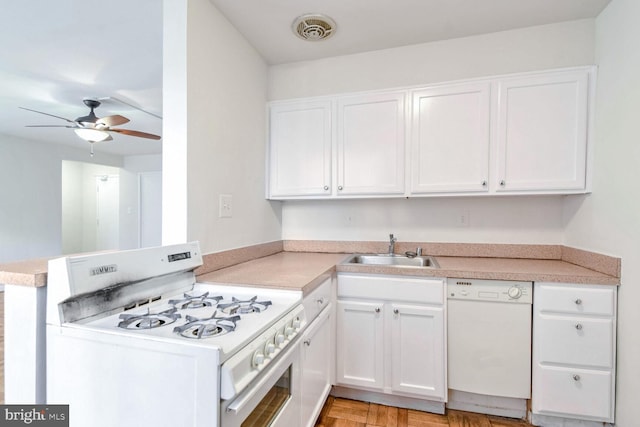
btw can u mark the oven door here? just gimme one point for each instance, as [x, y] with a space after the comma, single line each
[272, 399]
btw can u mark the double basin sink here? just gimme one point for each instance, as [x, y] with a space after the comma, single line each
[393, 260]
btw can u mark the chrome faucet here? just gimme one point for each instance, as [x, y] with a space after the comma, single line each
[392, 244]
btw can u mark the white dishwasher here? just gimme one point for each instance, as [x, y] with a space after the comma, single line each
[489, 337]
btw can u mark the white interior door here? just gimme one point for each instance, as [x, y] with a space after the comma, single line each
[107, 212]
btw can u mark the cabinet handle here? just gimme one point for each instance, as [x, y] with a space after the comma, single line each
[578, 301]
[377, 309]
[396, 311]
[320, 301]
[326, 187]
[340, 187]
[578, 326]
[484, 183]
[502, 183]
[307, 342]
[575, 377]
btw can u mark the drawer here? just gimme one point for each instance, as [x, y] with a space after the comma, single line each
[574, 299]
[574, 340]
[577, 393]
[394, 288]
[317, 300]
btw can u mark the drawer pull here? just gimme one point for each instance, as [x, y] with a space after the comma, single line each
[377, 309]
[575, 377]
[578, 301]
[578, 326]
[395, 311]
[307, 342]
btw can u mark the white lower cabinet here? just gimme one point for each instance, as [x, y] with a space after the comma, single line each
[391, 335]
[574, 343]
[315, 361]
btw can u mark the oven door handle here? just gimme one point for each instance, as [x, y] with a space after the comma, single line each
[265, 377]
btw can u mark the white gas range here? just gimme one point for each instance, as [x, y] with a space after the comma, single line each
[133, 340]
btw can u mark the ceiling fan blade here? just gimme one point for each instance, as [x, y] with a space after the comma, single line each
[114, 120]
[136, 133]
[51, 126]
[47, 114]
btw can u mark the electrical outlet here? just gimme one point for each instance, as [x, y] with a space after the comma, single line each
[463, 218]
[226, 206]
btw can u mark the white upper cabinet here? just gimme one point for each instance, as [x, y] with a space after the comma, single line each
[542, 132]
[524, 133]
[370, 144]
[450, 138]
[300, 149]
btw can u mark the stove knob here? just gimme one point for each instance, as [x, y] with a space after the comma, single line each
[258, 358]
[288, 331]
[279, 338]
[269, 349]
[296, 323]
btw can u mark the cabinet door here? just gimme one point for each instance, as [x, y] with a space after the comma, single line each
[450, 139]
[359, 342]
[418, 350]
[300, 149]
[371, 143]
[316, 356]
[542, 132]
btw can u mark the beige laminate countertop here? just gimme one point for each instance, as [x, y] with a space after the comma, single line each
[25, 273]
[303, 271]
[300, 271]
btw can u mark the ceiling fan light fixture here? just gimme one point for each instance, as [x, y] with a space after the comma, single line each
[92, 135]
[313, 27]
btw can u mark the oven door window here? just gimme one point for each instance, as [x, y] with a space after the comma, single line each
[273, 402]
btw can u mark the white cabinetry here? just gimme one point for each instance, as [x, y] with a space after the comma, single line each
[300, 149]
[316, 353]
[524, 133]
[450, 138]
[574, 342]
[542, 130]
[371, 141]
[367, 158]
[391, 335]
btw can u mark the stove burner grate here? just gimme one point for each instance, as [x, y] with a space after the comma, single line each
[237, 306]
[148, 320]
[206, 328]
[195, 301]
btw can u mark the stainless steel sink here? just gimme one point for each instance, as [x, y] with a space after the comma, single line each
[394, 260]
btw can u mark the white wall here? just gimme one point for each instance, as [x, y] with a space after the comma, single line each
[31, 196]
[220, 144]
[548, 46]
[608, 220]
[535, 220]
[497, 220]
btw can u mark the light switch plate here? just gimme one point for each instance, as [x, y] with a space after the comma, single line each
[226, 206]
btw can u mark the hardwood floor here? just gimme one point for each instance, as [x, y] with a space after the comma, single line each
[338, 412]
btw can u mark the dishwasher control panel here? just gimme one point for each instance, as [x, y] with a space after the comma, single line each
[490, 290]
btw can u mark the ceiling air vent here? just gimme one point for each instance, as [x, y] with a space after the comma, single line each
[314, 27]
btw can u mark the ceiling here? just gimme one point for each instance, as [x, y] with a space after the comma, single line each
[54, 54]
